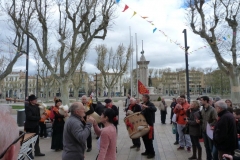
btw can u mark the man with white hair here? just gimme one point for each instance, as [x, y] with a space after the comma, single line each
[76, 131]
[225, 132]
[133, 107]
[9, 137]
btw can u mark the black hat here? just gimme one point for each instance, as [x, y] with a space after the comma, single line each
[32, 97]
[107, 100]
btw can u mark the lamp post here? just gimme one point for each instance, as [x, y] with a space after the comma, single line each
[186, 61]
[199, 88]
[37, 83]
[26, 78]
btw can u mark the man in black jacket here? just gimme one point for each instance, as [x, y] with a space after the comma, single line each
[225, 132]
[32, 112]
[148, 110]
[133, 108]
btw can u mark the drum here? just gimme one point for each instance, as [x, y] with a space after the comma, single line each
[136, 125]
[94, 115]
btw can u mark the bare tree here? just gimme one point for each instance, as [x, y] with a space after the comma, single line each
[78, 23]
[127, 84]
[112, 65]
[78, 78]
[46, 78]
[213, 21]
[8, 60]
[150, 71]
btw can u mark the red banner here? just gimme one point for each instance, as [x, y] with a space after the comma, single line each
[142, 89]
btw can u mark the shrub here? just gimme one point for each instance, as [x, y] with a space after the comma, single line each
[159, 99]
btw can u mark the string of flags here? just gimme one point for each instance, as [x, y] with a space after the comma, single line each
[126, 7]
[146, 18]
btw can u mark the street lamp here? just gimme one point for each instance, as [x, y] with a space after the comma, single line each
[37, 83]
[186, 61]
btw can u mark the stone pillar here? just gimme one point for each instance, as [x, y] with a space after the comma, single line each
[143, 70]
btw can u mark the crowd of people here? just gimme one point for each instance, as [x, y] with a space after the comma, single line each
[217, 122]
[214, 121]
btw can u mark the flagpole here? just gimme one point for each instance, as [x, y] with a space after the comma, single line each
[132, 68]
[136, 65]
[130, 65]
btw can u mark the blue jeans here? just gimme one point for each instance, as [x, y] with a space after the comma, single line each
[208, 145]
[184, 139]
[177, 135]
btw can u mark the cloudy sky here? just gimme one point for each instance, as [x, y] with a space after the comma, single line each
[167, 16]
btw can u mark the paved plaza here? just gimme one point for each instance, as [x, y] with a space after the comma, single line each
[163, 143]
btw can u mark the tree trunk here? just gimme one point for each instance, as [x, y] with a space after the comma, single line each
[235, 89]
[76, 93]
[109, 91]
[64, 92]
[47, 94]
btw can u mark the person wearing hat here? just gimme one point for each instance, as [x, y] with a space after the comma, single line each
[115, 109]
[32, 112]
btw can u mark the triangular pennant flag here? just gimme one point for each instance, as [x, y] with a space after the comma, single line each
[134, 13]
[117, 1]
[142, 89]
[125, 8]
[154, 30]
[144, 17]
[150, 21]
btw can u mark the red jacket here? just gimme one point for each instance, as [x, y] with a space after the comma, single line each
[181, 113]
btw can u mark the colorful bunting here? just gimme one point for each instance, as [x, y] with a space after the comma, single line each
[125, 8]
[178, 44]
[134, 13]
[154, 30]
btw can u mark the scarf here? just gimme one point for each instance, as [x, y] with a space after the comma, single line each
[131, 107]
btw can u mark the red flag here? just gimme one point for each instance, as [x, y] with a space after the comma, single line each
[125, 8]
[142, 89]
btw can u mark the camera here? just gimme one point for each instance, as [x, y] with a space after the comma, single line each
[186, 119]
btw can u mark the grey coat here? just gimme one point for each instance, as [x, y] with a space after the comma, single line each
[209, 115]
[75, 135]
[194, 127]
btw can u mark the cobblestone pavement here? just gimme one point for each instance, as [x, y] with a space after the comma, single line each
[163, 143]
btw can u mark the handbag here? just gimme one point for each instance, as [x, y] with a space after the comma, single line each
[174, 118]
[174, 129]
[185, 129]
